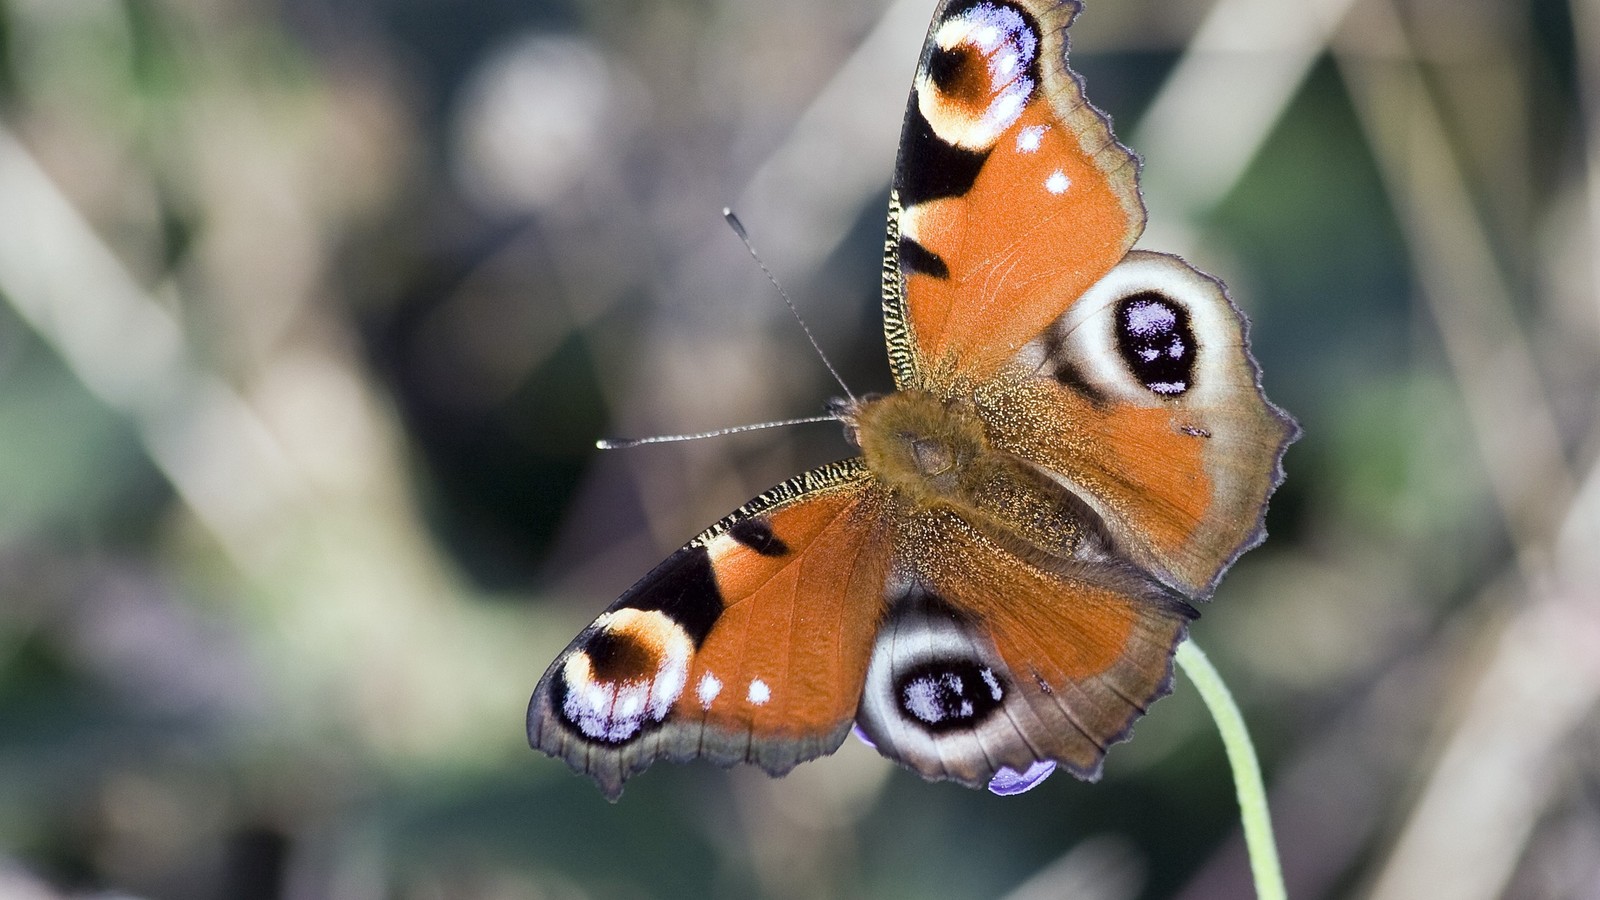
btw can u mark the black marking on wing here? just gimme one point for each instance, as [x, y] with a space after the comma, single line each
[1060, 366]
[944, 695]
[949, 68]
[931, 169]
[684, 588]
[932, 605]
[1157, 342]
[1070, 376]
[757, 535]
[619, 657]
[916, 258]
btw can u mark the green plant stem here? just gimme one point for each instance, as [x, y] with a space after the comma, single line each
[1253, 813]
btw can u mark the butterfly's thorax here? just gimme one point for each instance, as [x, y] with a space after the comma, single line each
[934, 453]
[927, 449]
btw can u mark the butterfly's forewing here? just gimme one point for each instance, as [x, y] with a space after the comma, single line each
[748, 645]
[1148, 406]
[1010, 197]
[988, 661]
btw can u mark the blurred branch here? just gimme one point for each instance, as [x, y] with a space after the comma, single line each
[1461, 284]
[130, 352]
[362, 630]
[1586, 37]
[799, 220]
[1103, 867]
[1231, 87]
[1540, 676]
[845, 132]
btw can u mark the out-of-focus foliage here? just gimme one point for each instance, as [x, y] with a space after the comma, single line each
[310, 312]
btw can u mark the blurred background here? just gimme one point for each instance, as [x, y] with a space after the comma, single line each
[311, 311]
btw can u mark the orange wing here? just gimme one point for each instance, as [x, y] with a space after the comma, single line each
[748, 645]
[990, 662]
[1011, 196]
[1143, 400]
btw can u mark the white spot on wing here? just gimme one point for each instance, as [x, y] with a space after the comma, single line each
[1029, 138]
[1007, 107]
[759, 693]
[1149, 318]
[925, 698]
[628, 706]
[993, 682]
[1058, 182]
[708, 689]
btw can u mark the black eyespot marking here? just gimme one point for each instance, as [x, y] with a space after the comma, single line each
[944, 695]
[1060, 365]
[916, 258]
[1070, 375]
[685, 589]
[758, 536]
[1157, 343]
[961, 73]
[931, 168]
[620, 657]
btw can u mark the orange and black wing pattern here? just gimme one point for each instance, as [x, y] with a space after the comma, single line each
[748, 645]
[989, 662]
[1144, 401]
[1010, 198]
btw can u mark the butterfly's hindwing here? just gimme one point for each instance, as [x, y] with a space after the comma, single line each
[1148, 406]
[988, 662]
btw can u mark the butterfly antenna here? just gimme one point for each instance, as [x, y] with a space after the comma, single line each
[744, 236]
[620, 443]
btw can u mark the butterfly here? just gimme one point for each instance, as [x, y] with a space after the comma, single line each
[1077, 448]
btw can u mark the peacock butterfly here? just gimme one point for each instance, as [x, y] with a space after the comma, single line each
[1078, 447]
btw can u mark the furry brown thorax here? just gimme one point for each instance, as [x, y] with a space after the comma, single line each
[936, 453]
[925, 448]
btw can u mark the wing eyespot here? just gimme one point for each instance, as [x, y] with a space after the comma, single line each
[623, 680]
[981, 69]
[1156, 342]
[943, 695]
